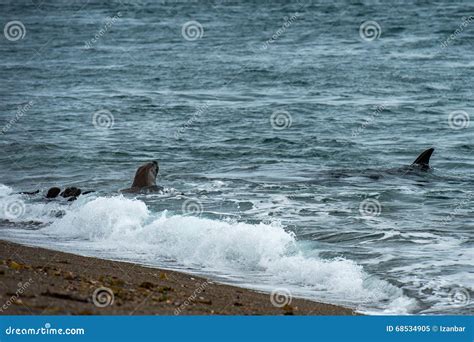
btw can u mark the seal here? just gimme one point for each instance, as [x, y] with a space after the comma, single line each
[145, 179]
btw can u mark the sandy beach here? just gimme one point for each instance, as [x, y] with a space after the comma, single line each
[37, 281]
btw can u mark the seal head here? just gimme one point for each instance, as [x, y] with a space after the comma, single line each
[145, 178]
[146, 175]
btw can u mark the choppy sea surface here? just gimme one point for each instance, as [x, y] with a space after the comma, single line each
[279, 128]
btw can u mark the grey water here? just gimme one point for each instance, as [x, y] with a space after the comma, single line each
[261, 113]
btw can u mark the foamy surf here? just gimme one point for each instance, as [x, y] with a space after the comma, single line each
[262, 256]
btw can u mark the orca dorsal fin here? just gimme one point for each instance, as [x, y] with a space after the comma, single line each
[424, 158]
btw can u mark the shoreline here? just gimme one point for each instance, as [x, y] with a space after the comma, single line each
[39, 281]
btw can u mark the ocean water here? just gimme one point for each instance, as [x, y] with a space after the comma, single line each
[279, 128]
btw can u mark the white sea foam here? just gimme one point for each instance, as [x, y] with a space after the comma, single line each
[124, 225]
[218, 245]
[5, 190]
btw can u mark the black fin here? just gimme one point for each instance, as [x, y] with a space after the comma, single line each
[424, 158]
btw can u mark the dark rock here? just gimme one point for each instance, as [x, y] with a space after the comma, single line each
[53, 192]
[71, 192]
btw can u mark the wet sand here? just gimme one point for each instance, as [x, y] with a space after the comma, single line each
[37, 281]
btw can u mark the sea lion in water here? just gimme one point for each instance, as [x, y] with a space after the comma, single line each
[144, 182]
[145, 179]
